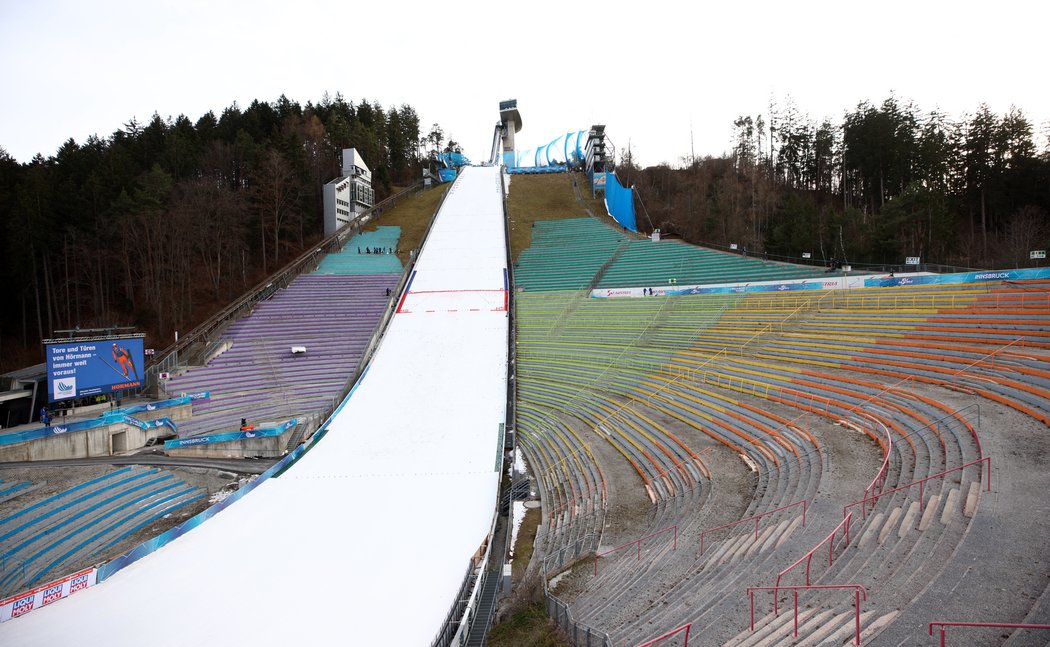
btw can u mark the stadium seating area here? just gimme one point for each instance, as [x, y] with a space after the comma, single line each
[369, 252]
[44, 540]
[332, 313]
[745, 374]
[584, 253]
[13, 489]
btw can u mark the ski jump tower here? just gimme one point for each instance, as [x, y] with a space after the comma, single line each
[509, 123]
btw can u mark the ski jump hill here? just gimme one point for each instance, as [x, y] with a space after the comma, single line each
[366, 538]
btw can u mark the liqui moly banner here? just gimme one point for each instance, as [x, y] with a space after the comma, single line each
[45, 594]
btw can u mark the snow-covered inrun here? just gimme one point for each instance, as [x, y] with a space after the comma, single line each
[348, 547]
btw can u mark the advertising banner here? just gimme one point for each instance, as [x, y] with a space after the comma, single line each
[224, 437]
[851, 282]
[829, 283]
[962, 277]
[102, 421]
[79, 368]
[43, 595]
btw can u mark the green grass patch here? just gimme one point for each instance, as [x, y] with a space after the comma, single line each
[540, 197]
[529, 626]
[413, 215]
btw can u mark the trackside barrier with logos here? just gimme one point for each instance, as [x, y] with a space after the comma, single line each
[961, 277]
[45, 594]
[108, 419]
[96, 575]
[829, 283]
[145, 548]
[820, 283]
[208, 439]
[115, 416]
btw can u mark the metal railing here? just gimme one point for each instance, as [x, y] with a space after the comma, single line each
[638, 543]
[808, 557]
[686, 627]
[754, 518]
[858, 590]
[871, 499]
[579, 634]
[567, 554]
[999, 625]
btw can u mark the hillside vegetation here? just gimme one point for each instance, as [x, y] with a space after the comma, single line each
[885, 182]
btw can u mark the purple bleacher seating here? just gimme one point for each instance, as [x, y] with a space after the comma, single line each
[259, 378]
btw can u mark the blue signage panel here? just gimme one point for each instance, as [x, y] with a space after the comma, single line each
[79, 368]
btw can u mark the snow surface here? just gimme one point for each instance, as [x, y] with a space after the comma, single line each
[367, 539]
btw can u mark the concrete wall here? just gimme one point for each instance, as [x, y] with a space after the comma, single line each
[268, 447]
[94, 442]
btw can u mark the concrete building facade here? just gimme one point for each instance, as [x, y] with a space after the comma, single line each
[349, 195]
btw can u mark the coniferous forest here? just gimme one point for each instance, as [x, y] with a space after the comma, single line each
[886, 182]
[163, 223]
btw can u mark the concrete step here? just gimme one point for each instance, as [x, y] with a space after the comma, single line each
[950, 505]
[869, 632]
[825, 630]
[872, 531]
[845, 632]
[891, 522]
[972, 497]
[909, 520]
[932, 506]
[790, 529]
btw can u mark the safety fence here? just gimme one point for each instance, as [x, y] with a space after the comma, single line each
[579, 634]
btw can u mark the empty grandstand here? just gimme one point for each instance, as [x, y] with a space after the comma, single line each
[847, 418]
[755, 467]
[295, 353]
[421, 432]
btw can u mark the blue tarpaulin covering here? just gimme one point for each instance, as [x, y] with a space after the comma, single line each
[619, 201]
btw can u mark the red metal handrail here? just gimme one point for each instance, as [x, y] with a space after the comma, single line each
[684, 627]
[955, 375]
[858, 589]
[880, 476]
[1004, 625]
[639, 541]
[920, 483]
[755, 518]
[808, 557]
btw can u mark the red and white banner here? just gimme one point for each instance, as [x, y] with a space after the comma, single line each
[24, 602]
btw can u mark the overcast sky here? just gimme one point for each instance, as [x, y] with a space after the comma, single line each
[654, 72]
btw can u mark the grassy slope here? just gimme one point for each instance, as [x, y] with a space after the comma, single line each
[413, 215]
[538, 197]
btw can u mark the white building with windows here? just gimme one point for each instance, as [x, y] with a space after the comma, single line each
[349, 195]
